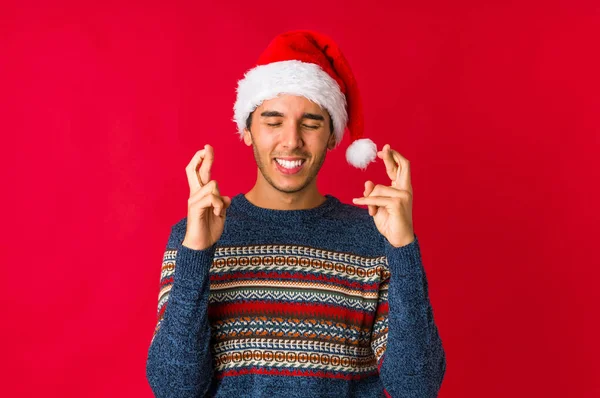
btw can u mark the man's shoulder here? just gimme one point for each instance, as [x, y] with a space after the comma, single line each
[177, 233]
[181, 224]
[354, 219]
[349, 228]
[353, 213]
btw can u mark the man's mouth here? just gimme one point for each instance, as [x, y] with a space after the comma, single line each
[291, 166]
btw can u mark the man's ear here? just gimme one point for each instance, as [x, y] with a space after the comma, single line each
[331, 141]
[247, 137]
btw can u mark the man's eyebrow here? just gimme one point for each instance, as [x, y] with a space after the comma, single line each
[271, 114]
[313, 116]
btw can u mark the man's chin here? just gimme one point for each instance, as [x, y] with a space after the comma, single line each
[290, 188]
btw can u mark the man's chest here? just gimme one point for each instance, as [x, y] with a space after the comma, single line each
[285, 304]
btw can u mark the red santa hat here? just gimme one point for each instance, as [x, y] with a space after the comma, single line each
[311, 65]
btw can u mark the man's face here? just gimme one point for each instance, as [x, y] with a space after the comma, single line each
[290, 136]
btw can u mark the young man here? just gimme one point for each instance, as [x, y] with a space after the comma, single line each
[283, 291]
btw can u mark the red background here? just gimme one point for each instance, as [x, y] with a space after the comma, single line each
[495, 105]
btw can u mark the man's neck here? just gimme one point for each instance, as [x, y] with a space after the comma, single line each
[270, 198]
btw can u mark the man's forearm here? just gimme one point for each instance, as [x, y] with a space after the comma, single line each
[414, 361]
[179, 360]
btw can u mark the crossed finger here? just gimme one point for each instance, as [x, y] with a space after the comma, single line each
[397, 168]
[204, 160]
[207, 162]
[211, 188]
[369, 186]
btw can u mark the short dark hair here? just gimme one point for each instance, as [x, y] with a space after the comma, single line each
[249, 122]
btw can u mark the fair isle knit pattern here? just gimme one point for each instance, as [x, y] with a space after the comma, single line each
[253, 326]
[294, 303]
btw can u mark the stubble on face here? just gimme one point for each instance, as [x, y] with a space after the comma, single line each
[312, 172]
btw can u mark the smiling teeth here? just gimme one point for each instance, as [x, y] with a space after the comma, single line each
[288, 164]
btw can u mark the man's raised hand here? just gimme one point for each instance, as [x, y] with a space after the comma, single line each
[206, 207]
[391, 206]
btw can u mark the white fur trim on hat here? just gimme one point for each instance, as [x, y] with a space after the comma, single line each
[361, 152]
[293, 77]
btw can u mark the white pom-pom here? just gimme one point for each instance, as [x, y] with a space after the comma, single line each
[361, 152]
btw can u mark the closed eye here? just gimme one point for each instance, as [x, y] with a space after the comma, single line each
[304, 125]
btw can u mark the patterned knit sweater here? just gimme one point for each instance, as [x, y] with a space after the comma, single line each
[294, 303]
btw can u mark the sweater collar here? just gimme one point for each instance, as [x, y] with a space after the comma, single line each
[240, 203]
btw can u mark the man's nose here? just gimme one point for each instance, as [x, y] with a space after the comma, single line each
[292, 135]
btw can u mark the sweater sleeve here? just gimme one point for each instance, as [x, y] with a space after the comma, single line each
[410, 356]
[179, 362]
